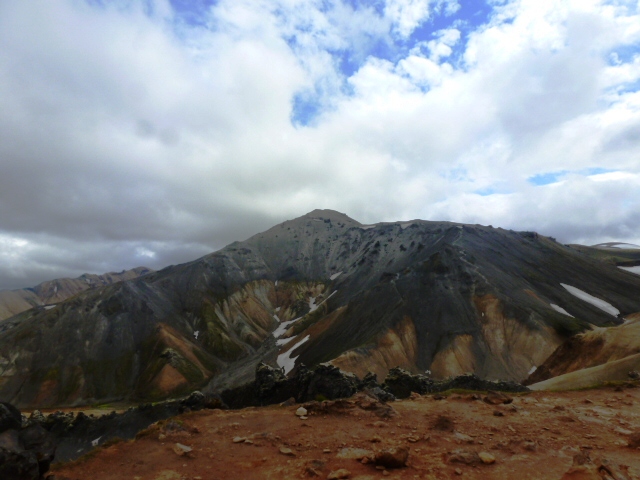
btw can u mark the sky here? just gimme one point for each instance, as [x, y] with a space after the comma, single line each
[153, 132]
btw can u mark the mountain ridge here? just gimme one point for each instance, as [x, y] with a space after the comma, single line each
[54, 291]
[421, 295]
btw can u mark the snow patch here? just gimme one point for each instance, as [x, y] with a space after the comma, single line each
[196, 333]
[406, 225]
[94, 443]
[278, 332]
[285, 361]
[635, 270]
[560, 310]
[276, 284]
[533, 369]
[335, 275]
[278, 309]
[596, 302]
[312, 304]
[49, 307]
[367, 227]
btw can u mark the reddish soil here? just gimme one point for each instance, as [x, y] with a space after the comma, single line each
[569, 435]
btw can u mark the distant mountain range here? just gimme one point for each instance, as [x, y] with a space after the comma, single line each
[49, 293]
[438, 296]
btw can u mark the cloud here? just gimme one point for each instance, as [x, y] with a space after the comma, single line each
[148, 133]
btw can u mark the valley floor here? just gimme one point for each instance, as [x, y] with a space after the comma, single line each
[578, 435]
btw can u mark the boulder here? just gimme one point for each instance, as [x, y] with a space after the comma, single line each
[401, 383]
[10, 417]
[392, 457]
[25, 453]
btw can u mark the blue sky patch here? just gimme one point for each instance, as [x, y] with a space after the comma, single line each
[547, 178]
[304, 109]
[554, 177]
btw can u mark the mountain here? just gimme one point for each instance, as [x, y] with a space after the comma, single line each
[423, 295]
[591, 358]
[49, 293]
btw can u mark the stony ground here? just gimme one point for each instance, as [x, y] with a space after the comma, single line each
[571, 435]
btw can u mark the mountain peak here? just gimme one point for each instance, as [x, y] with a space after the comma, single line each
[332, 215]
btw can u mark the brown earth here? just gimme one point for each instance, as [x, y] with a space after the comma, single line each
[557, 435]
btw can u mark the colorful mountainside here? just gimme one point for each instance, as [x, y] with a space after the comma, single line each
[438, 296]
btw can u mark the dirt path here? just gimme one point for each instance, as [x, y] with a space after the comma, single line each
[576, 435]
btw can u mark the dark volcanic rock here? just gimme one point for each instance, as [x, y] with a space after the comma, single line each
[9, 417]
[25, 453]
[76, 435]
[271, 386]
[401, 383]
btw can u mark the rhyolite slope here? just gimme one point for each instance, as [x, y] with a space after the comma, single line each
[438, 296]
[51, 292]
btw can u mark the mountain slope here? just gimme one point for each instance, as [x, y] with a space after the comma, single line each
[51, 292]
[422, 295]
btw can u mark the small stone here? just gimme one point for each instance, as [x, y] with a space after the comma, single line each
[301, 411]
[392, 457]
[162, 436]
[458, 471]
[287, 451]
[326, 450]
[634, 439]
[497, 398]
[239, 439]
[375, 439]
[354, 454]
[303, 417]
[487, 458]
[339, 474]
[464, 456]
[385, 473]
[181, 449]
[498, 413]
[463, 437]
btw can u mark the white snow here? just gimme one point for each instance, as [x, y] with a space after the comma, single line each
[312, 304]
[55, 289]
[367, 227]
[560, 309]
[533, 369]
[278, 332]
[196, 333]
[283, 341]
[276, 283]
[49, 307]
[635, 270]
[87, 280]
[94, 443]
[406, 225]
[285, 361]
[278, 309]
[335, 275]
[596, 302]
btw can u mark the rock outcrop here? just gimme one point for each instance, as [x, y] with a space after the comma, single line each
[26, 451]
[401, 384]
